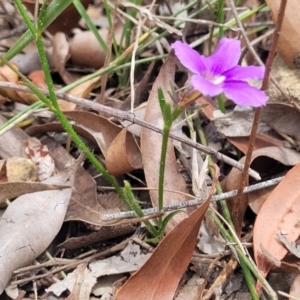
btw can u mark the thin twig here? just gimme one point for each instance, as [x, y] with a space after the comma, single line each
[123, 115]
[194, 202]
[236, 211]
[73, 265]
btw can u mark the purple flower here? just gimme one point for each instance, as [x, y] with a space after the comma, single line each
[220, 73]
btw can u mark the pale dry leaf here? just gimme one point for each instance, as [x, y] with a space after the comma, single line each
[105, 285]
[151, 143]
[237, 123]
[129, 260]
[30, 223]
[293, 247]
[192, 289]
[86, 279]
[11, 143]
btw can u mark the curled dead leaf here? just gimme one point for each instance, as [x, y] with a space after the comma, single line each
[123, 154]
[278, 215]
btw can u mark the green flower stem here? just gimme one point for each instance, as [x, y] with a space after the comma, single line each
[243, 260]
[242, 257]
[221, 17]
[132, 204]
[55, 8]
[80, 8]
[55, 107]
[221, 104]
[163, 155]
[223, 203]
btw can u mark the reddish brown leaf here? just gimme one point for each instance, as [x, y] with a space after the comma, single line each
[123, 155]
[289, 41]
[262, 141]
[279, 214]
[159, 276]
[262, 161]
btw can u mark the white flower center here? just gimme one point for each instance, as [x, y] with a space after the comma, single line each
[217, 79]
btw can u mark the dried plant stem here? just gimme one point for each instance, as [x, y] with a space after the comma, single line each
[237, 202]
[189, 203]
[123, 115]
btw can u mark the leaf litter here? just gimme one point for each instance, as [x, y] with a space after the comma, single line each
[132, 153]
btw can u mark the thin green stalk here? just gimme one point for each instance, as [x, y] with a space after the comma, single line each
[55, 107]
[110, 22]
[243, 260]
[162, 166]
[132, 204]
[126, 35]
[221, 17]
[223, 203]
[241, 256]
[54, 9]
[80, 8]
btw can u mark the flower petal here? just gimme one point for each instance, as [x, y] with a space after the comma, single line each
[244, 73]
[190, 58]
[226, 56]
[206, 87]
[244, 94]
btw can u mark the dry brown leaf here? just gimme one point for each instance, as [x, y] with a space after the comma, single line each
[289, 40]
[83, 205]
[262, 141]
[103, 130]
[85, 49]
[11, 190]
[123, 154]
[30, 223]
[278, 215]
[158, 278]
[151, 145]
[96, 129]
